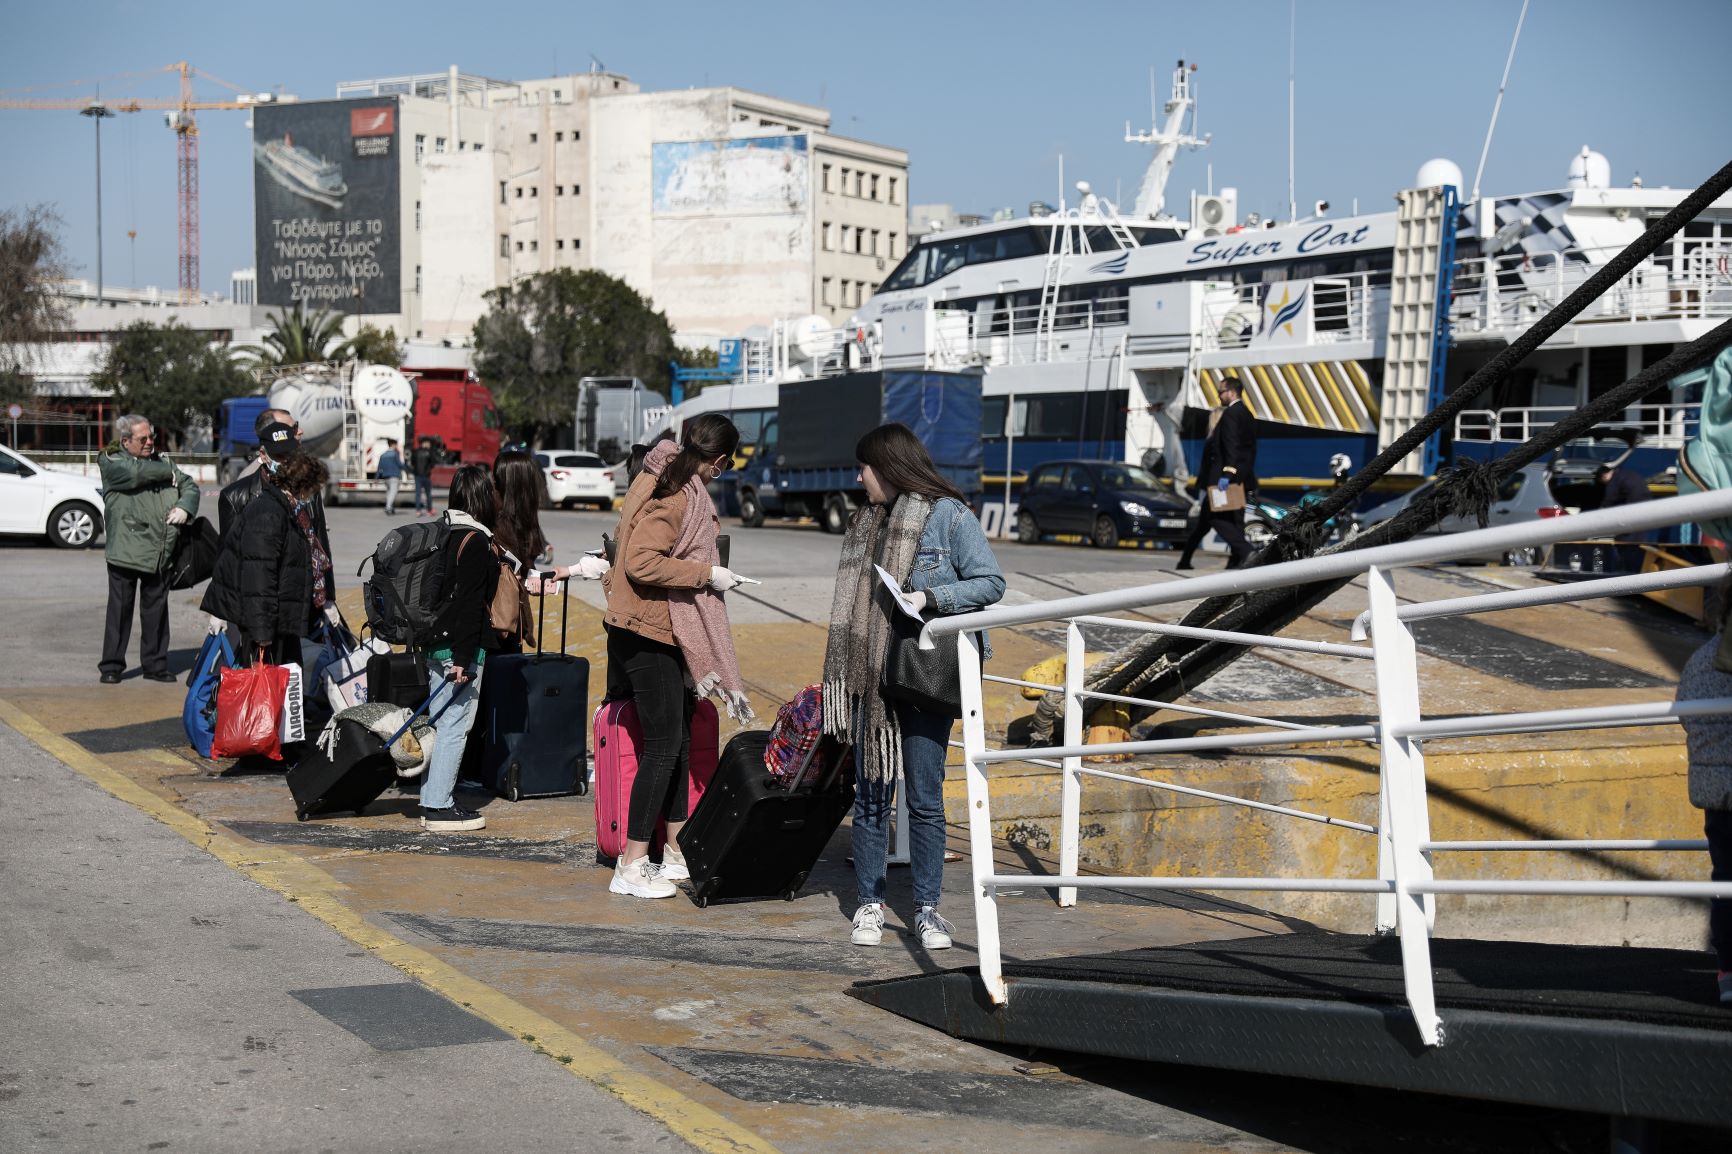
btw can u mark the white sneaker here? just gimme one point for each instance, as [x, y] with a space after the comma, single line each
[934, 931]
[868, 925]
[640, 879]
[674, 864]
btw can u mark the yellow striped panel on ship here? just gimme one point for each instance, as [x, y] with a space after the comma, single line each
[1333, 395]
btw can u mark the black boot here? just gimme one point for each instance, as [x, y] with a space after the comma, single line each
[1184, 562]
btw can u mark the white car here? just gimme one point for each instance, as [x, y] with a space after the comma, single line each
[577, 477]
[35, 501]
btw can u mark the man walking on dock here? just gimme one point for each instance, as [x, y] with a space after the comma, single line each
[1229, 459]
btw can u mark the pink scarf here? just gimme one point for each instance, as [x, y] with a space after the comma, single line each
[699, 616]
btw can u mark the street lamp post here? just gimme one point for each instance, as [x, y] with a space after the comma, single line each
[98, 112]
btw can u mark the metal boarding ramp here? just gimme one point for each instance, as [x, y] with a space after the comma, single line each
[1405, 1011]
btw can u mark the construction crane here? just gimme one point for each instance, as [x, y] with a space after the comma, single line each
[181, 119]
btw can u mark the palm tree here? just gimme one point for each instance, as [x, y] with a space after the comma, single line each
[297, 338]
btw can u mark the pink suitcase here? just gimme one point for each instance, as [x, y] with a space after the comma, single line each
[617, 740]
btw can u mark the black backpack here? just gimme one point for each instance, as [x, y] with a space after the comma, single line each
[404, 594]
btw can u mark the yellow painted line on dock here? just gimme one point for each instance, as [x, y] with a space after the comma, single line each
[316, 891]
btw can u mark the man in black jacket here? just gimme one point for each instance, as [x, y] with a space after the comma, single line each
[421, 464]
[1229, 457]
[1621, 486]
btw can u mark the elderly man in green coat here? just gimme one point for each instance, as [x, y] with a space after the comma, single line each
[147, 501]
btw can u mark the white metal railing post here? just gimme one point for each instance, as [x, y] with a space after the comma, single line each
[1070, 784]
[979, 816]
[1402, 820]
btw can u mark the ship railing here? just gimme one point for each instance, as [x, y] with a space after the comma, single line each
[1404, 881]
[1664, 426]
[1690, 278]
[1080, 330]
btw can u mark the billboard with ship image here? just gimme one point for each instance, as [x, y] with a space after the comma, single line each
[326, 208]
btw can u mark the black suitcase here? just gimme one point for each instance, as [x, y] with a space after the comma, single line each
[398, 678]
[753, 838]
[349, 778]
[534, 719]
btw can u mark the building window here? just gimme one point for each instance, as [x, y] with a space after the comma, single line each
[557, 94]
[559, 190]
[461, 145]
[534, 190]
[827, 183]
[558, 137]
[519, 246]
[534, 246]
[417, 278]
[417, 216]
[824, 293]
[875, 186]
[504, 245]
[874, 242]
[845, 292]
[845, 172]
[534, 136]
[859, 184]
[577, 134]
[560, 245]
[476, 147]
[576, 242]
[576, 189]
[892, 253]
[859, 240]
[420, 147]
[893, 199]
[502, 192]
[438, 144]
[827, 236]
[519, 194]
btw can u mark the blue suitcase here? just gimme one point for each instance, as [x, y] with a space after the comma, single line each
[198, 714]
[533, 720]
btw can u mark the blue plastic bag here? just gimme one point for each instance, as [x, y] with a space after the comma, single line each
[198, 715]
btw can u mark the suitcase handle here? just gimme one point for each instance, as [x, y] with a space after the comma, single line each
[541, 613]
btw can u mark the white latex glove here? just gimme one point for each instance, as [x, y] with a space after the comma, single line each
[593, 568]
[722, 578]
[918, 600]
[176, 516]
[738, 707]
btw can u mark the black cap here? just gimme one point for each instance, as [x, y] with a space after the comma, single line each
[277, 440]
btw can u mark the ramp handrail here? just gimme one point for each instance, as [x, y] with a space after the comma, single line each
[1404, 885]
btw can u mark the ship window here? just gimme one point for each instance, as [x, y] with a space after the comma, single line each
[992, 416]
[907, 274]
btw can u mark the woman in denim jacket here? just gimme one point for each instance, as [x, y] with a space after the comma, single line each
[918, 528]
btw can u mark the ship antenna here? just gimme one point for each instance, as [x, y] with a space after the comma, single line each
[1292, 22]
[1497, 104]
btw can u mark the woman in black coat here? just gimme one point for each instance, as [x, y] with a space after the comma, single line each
[270, 581]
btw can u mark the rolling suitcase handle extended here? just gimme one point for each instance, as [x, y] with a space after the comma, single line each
[541, 613]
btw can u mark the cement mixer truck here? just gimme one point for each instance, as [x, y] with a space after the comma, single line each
[347, 413]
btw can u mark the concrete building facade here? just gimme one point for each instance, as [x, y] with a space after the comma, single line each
[726, 208]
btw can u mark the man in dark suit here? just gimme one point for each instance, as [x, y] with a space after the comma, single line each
[1229, 456]
[1620, 486]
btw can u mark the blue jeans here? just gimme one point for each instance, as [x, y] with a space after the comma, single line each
[924, 746]
[453, 718]
[424, 492]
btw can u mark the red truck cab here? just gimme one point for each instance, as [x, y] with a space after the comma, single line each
[457, 410]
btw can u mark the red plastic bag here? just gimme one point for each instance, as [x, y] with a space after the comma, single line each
[249, 709]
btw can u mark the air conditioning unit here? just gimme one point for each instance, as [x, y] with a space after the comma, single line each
[880, 264]
[1213, 215]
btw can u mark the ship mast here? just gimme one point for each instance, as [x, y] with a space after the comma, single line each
[1152, 196]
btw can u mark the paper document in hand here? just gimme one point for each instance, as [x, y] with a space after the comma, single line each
[895, 588]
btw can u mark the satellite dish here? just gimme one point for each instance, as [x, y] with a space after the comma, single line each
[811, 338]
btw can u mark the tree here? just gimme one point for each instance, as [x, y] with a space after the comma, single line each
[32, 309]
[299, 338]
[545, 333]
[697, 359]
[373, 346]
[170, 374]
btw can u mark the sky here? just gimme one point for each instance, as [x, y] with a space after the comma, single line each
[986, 97]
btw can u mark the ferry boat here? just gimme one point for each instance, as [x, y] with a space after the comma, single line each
[301, 172]
[1107, 335]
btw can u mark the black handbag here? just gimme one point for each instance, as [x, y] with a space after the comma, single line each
[194, 557]
[927, 679]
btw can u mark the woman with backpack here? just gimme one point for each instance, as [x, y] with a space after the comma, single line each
[461, 636]
[668, 636]
[919, 528]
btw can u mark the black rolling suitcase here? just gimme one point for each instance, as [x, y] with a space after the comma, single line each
[534, 719]
[752, 837]
[352, 775]
[398, 678]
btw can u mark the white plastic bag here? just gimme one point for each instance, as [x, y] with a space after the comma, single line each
[292, 724]
[346, 678]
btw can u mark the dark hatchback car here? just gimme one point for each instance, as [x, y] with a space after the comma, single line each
[1104, 501]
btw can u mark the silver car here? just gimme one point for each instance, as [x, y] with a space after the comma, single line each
[1521, 498]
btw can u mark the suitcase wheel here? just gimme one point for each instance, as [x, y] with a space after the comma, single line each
[300, 814]
[513, 787]
[794, 885]
[703, 900]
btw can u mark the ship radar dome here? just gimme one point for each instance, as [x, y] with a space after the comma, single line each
[1590, 169]
[1438, 171]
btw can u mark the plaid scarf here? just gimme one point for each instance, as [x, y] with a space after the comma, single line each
[860, 615]
[321, 560]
